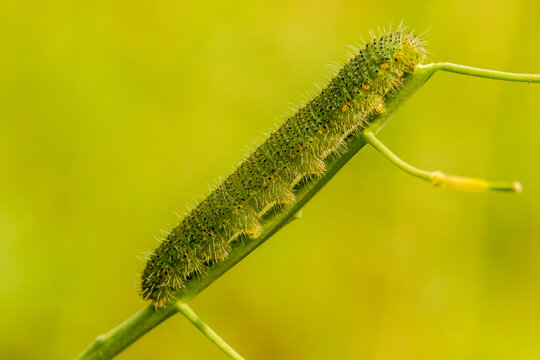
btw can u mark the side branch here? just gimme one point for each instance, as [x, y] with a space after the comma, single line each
[208, 332]
[483, 73]
[438, 178]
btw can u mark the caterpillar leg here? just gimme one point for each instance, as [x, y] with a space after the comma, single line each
[438, 178]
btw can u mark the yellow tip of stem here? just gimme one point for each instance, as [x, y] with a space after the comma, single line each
[472, 184]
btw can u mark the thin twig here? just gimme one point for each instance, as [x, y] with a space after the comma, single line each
[185, 310]
[439, 178]
[484, 73]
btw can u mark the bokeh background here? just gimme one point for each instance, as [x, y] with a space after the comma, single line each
[116, 114]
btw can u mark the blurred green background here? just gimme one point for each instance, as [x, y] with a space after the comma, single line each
[115, 114]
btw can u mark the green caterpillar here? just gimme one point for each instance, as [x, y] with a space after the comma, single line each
[296, 151]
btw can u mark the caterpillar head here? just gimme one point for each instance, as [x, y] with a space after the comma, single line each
[412, 51]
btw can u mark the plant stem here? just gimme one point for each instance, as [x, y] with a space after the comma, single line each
[438, 178]
[185, 310]
[109, 345]
[387, 153]
[484, 73]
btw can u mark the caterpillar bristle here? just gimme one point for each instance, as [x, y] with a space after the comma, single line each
[295, 151]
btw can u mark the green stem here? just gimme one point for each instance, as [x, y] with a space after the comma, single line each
[387, 153]
[483, 73]
[185, 310]
[438, 178]
[109, 345]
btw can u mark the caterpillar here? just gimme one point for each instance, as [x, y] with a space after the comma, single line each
[296, 151]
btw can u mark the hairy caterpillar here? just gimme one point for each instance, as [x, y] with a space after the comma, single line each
[297, 150]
